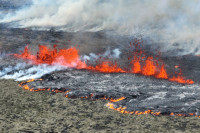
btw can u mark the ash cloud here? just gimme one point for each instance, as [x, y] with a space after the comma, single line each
[166, 23]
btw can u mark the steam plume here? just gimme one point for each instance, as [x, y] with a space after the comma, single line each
[167, 22]
[23, 71]
[115, 53]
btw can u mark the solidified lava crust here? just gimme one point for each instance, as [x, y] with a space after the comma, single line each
[140, 93]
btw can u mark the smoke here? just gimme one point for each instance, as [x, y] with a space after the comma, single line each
[111, 54]
[23, 71]
[167, 22]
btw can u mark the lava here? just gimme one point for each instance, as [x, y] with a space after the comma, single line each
[124, 111]
[141, 64]
[110, 104]
[151, 66]
[162, 74]
[149, 69]
[107, 67]
[65, 57]
[136, 68]
[180, 79]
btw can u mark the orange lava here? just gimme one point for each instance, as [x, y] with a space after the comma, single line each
[124, 111]
[107, 67]
[109, 104]
[65, 57]
[141, 64]
[162, 74]
[149, 69]
[151, 66]
[136, 68]
[26, 87]
[180, 79]
[117, 100]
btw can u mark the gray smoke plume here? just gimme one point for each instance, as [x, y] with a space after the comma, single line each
[170, 24]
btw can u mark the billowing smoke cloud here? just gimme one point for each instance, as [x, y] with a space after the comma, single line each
[166, 22]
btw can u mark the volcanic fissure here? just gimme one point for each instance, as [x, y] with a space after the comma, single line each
[120, 84]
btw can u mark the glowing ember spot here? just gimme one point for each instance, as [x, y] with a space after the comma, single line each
[32, 80]
[107, 67]
[162, 74]
[36, 90]
[117, 100]
[26, 87]
[124, 111]
[149, 69]
[156, 113]
[87, 97]
[176, 66]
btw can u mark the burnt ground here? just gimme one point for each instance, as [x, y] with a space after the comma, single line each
[24, 111]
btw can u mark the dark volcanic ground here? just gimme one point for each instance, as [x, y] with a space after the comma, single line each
[141, 93]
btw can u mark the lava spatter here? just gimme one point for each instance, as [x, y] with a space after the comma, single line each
[141, 64]
[106, 67]
[64, 57]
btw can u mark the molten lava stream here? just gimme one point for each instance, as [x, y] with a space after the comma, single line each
[124, 111]
[109, 104]
[162, 74]
[106, 67]
[181, 79]
[136, 68]
[149, 69]
[64, 57]
[70, 58]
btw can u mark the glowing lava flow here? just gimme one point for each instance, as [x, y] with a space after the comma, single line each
[162, 74]
[151, 66]
[109, 104]
[65, 57]
[181, 79]
[107, 67]
[141, 64]
[136, 68]
[149, 69]
[26, 87]
[124, 111]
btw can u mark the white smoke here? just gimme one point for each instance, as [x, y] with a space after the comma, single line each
[23, 71]
[166, 22]
[112, 54]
